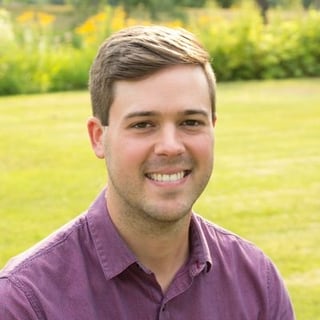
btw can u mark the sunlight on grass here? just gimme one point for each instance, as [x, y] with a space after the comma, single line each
[265, 186]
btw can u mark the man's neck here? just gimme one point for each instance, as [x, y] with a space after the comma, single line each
[163, 255]
[163, 248]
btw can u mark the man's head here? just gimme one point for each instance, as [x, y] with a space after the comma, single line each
[152, 92]
[137, 52]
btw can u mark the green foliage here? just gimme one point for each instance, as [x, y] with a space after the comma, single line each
[33, 72]
[36, 58]
[245, 48]
[70, 70]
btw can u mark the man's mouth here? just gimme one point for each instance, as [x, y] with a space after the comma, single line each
[173, 177]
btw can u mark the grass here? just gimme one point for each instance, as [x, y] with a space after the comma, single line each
[265, 187]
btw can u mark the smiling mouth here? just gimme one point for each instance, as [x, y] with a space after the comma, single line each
[174, 177]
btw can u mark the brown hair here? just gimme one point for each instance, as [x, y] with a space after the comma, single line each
[136, 52]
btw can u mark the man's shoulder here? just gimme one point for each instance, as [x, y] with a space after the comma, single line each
[223, 241]
[214, 230]
[47, 250]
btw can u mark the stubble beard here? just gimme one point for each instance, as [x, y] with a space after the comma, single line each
[146, 216]
[140, 213]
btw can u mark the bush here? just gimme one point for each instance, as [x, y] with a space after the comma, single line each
[35, 59]
[245, 48]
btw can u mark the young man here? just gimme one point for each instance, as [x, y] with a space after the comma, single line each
[140, 252]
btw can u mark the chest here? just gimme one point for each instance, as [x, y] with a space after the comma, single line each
[131, 296]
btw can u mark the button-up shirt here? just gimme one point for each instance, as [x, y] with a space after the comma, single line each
[85, 271]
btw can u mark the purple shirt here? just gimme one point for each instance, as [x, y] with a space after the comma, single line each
[85, 271]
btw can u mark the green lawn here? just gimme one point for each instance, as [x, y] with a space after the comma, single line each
[265, 187]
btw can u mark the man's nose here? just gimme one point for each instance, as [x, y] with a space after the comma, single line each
[169, 142]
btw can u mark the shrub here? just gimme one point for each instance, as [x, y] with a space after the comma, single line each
[245, 48]
[35, 59]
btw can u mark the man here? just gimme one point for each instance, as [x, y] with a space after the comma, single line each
[140, 252]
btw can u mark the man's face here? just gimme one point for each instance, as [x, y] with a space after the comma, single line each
[159, 144]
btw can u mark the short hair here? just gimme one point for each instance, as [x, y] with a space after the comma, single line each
[136, 52]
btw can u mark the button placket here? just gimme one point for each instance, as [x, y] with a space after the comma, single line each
[164, 312]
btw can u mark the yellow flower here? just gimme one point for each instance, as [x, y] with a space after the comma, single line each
[87, 27]
[100, 17]
[25, 17]
[41, 18]
[119, 19]
[45, 19]
[175, 24]
[204, 20]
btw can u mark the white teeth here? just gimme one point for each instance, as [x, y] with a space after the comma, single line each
[166, 177]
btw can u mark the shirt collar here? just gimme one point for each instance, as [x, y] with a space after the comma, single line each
[108, 242]
[200, 256]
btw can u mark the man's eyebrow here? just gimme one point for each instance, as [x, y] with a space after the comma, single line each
[190, 112]
[187, 112]
[140, 114]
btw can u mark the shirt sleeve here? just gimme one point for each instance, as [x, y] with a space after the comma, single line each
[14, 305]
[280, 306]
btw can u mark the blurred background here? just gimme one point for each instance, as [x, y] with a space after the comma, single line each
[41, 41]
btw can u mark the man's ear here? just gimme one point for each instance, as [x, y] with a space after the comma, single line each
[214, 120]
[95, 130]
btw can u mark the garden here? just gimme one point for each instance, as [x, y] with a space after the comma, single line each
[45, 51]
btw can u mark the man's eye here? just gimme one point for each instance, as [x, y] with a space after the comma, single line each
[142, 125]
[191, 123]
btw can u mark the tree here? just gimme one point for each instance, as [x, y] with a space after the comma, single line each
[264, 7]
[156, 7]
[225, 3]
